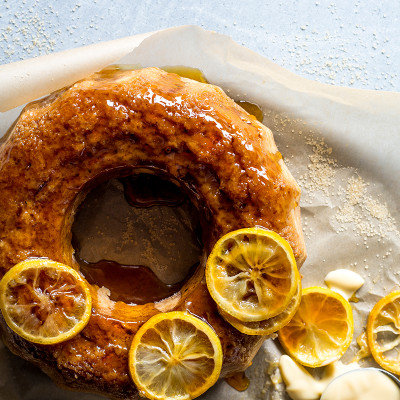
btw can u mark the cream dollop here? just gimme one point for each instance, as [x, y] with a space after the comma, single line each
[344, 282]
[301, 385]
[362, 384]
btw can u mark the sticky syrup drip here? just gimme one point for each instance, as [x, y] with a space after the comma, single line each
[239, 381]
[252, 109]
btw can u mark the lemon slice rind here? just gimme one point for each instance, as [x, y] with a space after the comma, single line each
[26, 319]
[175, 355]
[267, 326]
[383, 332]
[319, 333]
[252, 274]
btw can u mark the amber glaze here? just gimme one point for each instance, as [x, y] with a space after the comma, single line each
[145, 190]
[197, 75]
[239, 381]
[105, 126]
[252, 109]
[132, 284]
[186, 72]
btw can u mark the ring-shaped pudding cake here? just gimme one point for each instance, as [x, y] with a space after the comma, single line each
[116, 125]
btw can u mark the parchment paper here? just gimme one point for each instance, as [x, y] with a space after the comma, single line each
[340, 144]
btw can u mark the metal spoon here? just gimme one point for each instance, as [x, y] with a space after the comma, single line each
[393, 377]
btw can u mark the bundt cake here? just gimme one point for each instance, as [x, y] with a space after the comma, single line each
[112, 126]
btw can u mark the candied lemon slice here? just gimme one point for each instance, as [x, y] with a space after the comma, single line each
[383, 332]
[266, 326]
[175, 356]
[252, 274]
[321, 330]
[44, 301]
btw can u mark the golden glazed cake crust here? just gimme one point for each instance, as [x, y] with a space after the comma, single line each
[111, 125]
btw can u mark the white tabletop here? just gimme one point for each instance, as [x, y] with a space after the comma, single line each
[341, 42]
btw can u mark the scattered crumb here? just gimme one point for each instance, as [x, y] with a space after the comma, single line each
[321, 170]
[29, 32]
[369, 216]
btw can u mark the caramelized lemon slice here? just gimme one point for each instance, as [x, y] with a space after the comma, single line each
[44, 301]
[321, 330]
[175, 356]
[252, 274]
[383, 332]
[266, 326]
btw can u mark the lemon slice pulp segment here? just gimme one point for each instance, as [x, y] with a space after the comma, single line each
[252, 274]
[383, 332]
[321, 330]
[266, 326]
[44, 301]
[175, 356]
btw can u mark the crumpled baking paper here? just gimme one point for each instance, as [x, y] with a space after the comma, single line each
[341, 145]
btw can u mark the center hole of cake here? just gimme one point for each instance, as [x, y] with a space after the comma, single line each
[138, 236]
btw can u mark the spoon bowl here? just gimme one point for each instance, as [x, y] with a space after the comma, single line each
[394, 377]
[365, 386]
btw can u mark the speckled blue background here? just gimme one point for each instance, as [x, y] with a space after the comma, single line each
[341, 42]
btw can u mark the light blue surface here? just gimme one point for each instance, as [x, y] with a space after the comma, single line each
[342, 42]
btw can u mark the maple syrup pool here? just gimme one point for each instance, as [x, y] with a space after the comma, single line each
[138, 236]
